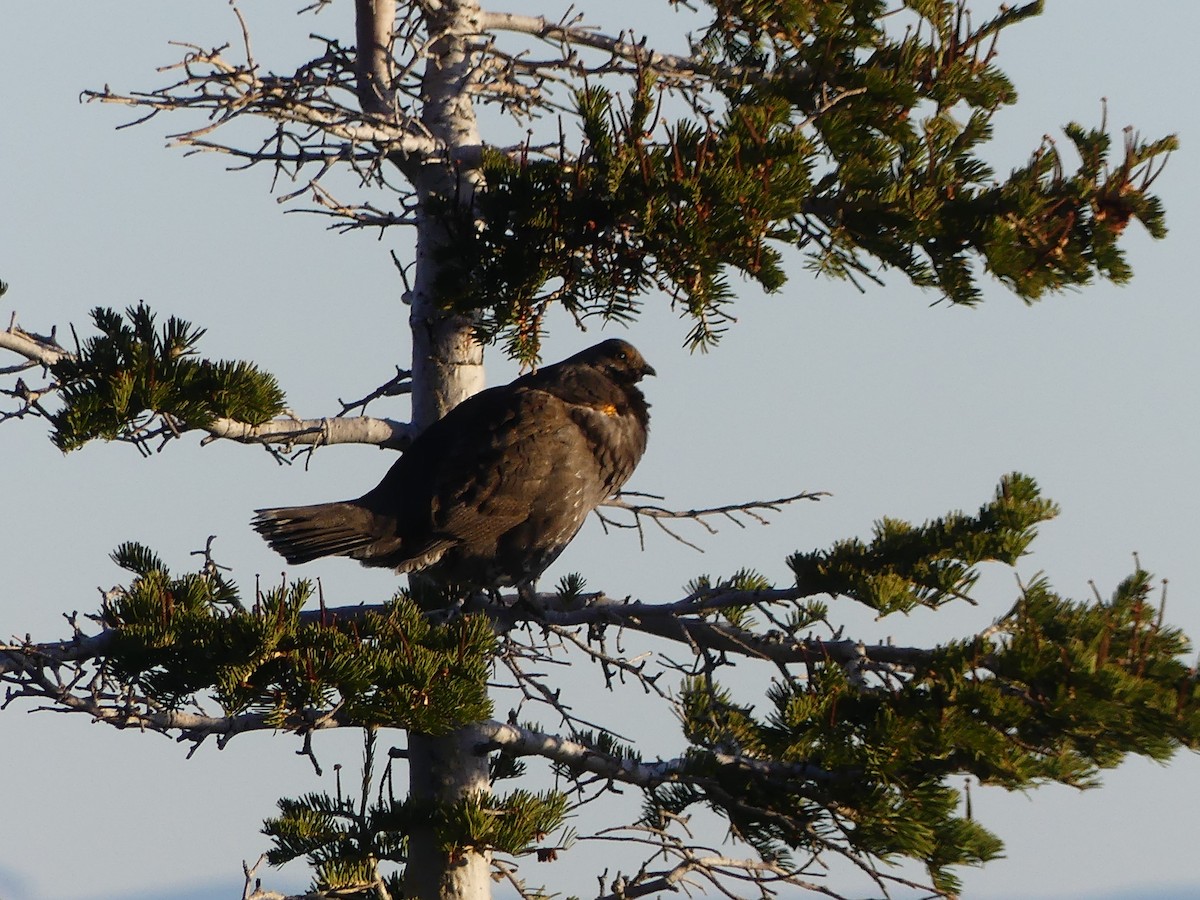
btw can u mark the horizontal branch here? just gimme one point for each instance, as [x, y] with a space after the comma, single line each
[28, 669]
[36, 348]
[287, 431]
[16, 658]
[660, 515]
[196, 727]
[635, 52]
[667, 620]
[674, 621]
[580, 757]
[678, 621]
[68, 675]
[384, 433]
[33, 671]
[729, 510]
[711, 868]
[239, 89]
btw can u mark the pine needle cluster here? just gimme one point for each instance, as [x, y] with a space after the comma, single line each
[133, 375]
[176, 637]
[357, 840]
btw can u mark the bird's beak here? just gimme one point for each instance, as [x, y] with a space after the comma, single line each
[648, 370]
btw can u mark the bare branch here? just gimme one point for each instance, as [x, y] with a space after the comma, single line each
[395, 387]
[383, 433]
[38, 349]
[675, 621]
[225, 90]
[710, 868]
[254, 890]
[374, 24]
[753, 509]
[635, 52]
[580, 757]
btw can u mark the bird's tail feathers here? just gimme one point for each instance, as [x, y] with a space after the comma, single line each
[301, 534]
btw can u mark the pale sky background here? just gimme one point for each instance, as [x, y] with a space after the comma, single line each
[895, 407]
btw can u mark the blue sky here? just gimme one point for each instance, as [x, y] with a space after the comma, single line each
[896, 407]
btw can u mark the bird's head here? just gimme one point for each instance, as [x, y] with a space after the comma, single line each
[618, 359]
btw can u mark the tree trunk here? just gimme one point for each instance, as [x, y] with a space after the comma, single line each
[447, 365]
[441, 770]
[447, 360]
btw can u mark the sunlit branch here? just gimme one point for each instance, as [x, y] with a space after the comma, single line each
[660, 515]
[569, 34]
[284, 432]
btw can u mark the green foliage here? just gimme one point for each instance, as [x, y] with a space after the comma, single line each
[863, 760]
[1054, 230]
[570, 590]
[121, 381]
[176, 636]
[346, 839]
[905, 566]
[1107, 676]
[510, 823]
[746, 580]
[833, 127]
[342, 853]
[633, 213]
[603, 742]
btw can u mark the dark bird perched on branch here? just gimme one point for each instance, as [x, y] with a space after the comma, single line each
[493, 492]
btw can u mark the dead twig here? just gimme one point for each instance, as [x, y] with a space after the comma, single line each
[659, 515]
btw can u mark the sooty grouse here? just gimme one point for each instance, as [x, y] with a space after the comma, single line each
[493, 492]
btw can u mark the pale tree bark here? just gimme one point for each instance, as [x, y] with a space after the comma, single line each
[374, 21]
[447, 360]
[442, 770]
[447, 367]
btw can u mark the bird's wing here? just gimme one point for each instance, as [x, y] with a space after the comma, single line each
[478, 471]
[521, 464]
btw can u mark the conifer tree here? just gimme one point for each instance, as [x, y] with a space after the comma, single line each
[620, 174]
